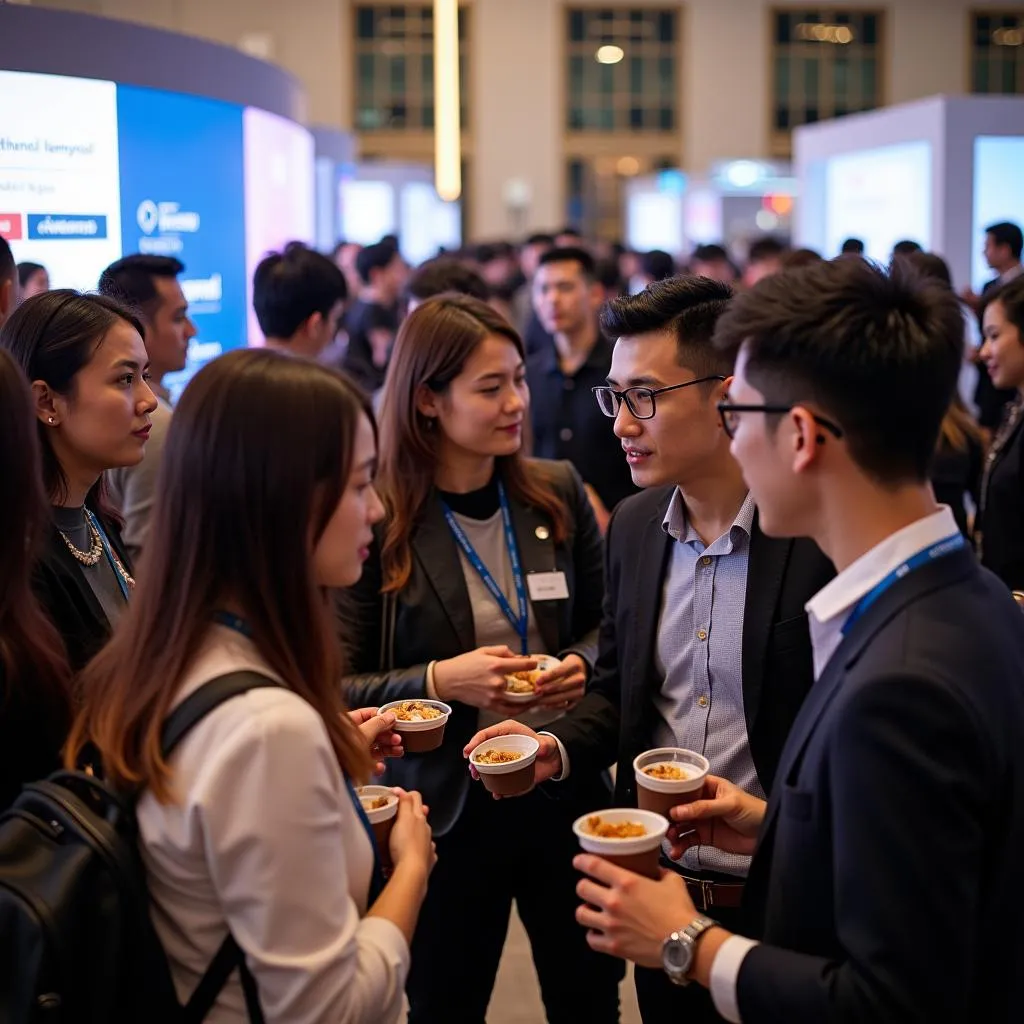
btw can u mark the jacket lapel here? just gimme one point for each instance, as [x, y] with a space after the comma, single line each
[438, 555]
[537, 554]
[766, 569]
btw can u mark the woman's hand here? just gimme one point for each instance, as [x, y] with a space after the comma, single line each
[725, 817]
[378, 733]
[562, 687]
[412, 843]
[478, 678]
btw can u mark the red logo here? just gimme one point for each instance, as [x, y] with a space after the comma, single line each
[10, 226]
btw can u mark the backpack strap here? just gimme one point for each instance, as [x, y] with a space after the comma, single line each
[188, 714]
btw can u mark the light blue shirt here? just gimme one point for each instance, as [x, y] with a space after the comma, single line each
[699, 655]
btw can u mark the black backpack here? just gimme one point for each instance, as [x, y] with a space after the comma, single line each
[77, 945]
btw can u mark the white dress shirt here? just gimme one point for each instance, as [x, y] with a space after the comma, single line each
[827, 612]
[262, 838]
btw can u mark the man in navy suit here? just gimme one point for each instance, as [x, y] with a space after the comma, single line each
[885, 884]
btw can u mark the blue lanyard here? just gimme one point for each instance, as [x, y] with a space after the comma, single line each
[239, 625]
[520, 623]
[109, 552]
[944, 547]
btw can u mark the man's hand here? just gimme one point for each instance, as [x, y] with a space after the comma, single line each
[378, 732]
[627, 915]
[725, 817]
[562, 687]
[549, 760]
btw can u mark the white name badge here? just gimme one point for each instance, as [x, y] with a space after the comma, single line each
[547, 586]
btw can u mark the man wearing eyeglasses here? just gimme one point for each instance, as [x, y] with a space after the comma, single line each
[704, 639]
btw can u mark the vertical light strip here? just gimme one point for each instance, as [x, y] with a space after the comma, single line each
[447, 129]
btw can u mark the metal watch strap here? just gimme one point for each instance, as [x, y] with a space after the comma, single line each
[688, 937]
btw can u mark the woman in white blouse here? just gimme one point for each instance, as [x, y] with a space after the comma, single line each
[253, 828]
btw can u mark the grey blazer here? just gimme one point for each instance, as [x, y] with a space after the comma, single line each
[394, 639]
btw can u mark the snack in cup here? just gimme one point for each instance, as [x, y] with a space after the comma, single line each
[506, 764]
[381, 806]
[667, 777]
[521, 687]
[419, 722]
[626, 836]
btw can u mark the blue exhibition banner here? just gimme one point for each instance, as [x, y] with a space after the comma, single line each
[182, 195]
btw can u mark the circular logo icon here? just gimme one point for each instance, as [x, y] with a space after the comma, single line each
[148, 216]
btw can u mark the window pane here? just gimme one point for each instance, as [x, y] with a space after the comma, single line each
[782, 34]
[576, 29]
[811, 78]
[364, 22]
[782, 70]
[636, 76]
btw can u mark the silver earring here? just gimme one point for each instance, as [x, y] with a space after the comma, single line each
[51, 421]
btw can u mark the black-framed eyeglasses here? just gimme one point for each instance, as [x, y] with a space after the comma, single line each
[730, 414]
[639, 401]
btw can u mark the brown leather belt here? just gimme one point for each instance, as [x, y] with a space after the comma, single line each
[708, 895]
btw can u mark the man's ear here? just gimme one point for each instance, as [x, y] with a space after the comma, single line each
[806, 439]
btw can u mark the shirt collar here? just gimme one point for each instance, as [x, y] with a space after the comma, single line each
[1011, 274]
[678, 527]
[871, 568]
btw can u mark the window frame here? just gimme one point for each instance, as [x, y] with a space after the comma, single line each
[1004, 11]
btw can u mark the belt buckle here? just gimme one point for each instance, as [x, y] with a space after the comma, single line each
[707, 892]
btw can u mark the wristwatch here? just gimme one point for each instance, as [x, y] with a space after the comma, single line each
[679, 950]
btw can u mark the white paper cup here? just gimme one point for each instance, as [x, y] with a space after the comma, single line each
[639, 854]
[513, 777]
[382, 819]
[545, 663]
[419, 737]
[661, 795]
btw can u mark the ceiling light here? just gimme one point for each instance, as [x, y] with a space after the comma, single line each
[610, 54]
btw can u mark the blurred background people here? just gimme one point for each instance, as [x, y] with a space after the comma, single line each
[9, 287]
[763, 259]
[713, 261]
[33, 279]
[440, 275]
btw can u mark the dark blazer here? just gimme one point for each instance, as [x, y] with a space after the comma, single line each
[433, 620]
[616, 719]
[1001, 523]
[887, 879]
[67, 598]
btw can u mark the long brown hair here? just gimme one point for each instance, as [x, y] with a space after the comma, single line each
[959, 427]
[257, 457]
[53, 336]
[431, 349]
[33, 667]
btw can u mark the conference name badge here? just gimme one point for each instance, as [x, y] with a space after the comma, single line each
[547, 586]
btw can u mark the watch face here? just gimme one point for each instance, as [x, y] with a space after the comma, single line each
[676, 956]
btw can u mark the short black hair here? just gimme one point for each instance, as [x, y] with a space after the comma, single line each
[878, 352]
[931, 264]
[26, 270]
[289, 287]
[8, 268]
[540, 238]
[607, 275]
[1008, 233]
[852, 247]
[444, 274]
[374, 257]
[797, 258]
[709, 254]
[571, 254]
[906, 247]
[130, 280]
[767, 248]
[689, 307]
[657, 265]
[1011, 297]
[570, 230]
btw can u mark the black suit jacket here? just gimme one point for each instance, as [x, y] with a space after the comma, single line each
[433, 620]
[616, 719]
[887, 880]
[66, 596]
[1001, 523]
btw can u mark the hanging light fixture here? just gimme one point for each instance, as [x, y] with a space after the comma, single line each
[447, 129]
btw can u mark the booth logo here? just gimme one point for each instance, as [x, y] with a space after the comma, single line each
[167, 218]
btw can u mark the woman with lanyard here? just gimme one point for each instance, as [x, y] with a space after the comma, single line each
[87, 365]
[484, 559]
[254, 829]
[998, 527]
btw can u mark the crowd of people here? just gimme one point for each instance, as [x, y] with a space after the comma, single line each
[767, 513]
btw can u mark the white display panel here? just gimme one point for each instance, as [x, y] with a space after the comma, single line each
[427, 223]
[998, 193]
[880, 196]
[654, 220]
[367, 210]
[59, 191]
